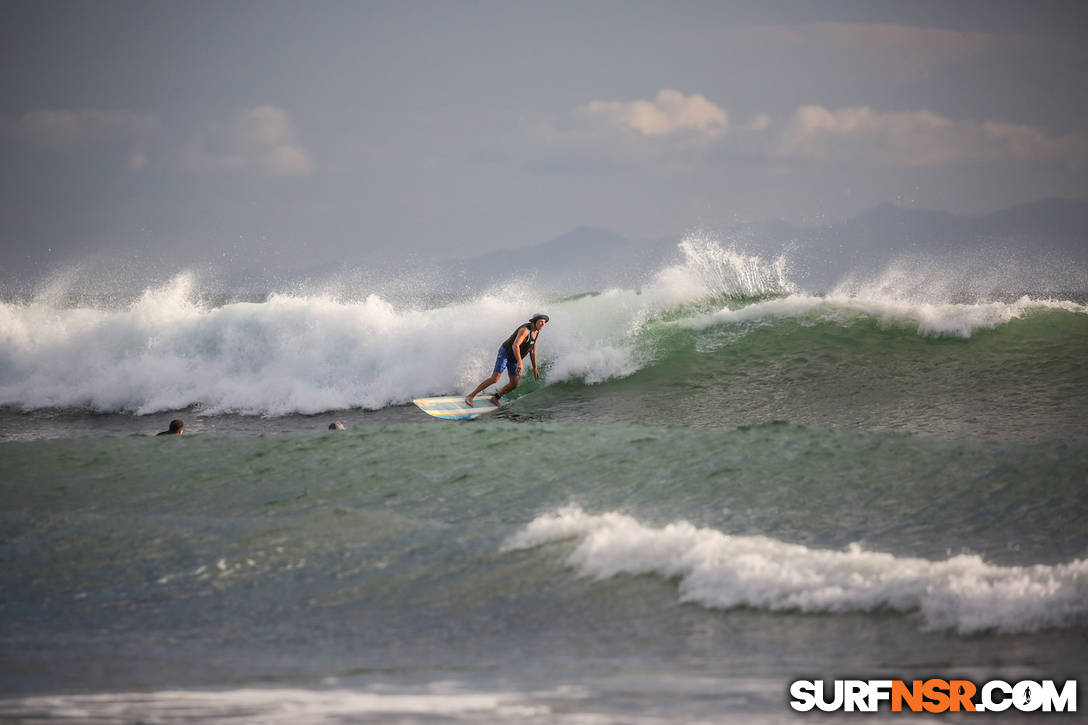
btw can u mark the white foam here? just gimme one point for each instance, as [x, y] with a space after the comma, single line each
[601, 330]
[930, 318]
[949, 296]
[309, 353]
[312, 352]
[716, 570]
[280, 705]
[955, 297]
[293, 353]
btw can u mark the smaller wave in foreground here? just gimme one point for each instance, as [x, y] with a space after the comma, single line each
[286, 705]
[715, 570]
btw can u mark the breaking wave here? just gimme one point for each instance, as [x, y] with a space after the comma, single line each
[303, 352]
[716, 570]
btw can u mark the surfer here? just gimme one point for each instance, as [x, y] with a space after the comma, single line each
[176, 428]
[511, 357]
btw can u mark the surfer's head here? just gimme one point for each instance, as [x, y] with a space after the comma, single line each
[176, 428]
[536, 318]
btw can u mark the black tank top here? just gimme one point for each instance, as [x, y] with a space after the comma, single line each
[529, 342]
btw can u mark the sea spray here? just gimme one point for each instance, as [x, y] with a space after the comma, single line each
[711, 270]
[990, 272]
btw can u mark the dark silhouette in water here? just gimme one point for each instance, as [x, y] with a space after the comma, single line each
[177, 427]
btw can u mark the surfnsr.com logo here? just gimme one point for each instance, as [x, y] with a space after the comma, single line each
[933, 695]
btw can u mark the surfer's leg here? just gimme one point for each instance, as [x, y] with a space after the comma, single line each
[514, 380]
[502, 362]
[494, 378]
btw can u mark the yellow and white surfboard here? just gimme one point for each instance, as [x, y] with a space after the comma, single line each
[455, 408]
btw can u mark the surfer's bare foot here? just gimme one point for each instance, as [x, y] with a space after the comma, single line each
[494, 399]
[468, 400]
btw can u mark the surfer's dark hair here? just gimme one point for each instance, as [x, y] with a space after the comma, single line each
[176, 428]
[539, 316]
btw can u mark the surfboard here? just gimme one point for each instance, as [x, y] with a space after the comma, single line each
[454, 407]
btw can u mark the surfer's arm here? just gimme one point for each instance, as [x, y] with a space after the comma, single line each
[532, 356]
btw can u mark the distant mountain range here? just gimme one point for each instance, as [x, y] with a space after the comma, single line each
[1047, 238]
[583, 259]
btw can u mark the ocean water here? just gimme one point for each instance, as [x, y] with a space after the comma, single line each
[722, 483]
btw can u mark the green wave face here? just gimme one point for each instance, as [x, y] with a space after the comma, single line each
[836, 365]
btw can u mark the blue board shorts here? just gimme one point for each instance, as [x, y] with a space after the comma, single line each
[507, 362]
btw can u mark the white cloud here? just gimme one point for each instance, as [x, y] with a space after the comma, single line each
[260, 140]
[918, 138]
[670, 133]
[671, 112]
[760, 122]
[63, 129]
[680, 133]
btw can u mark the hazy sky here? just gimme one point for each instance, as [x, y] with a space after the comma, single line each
[301, 133]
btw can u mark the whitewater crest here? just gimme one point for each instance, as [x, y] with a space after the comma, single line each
[312, 350]
[715, 570]
[938, 298]
[930, 319]
[292, 353]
